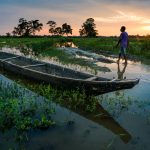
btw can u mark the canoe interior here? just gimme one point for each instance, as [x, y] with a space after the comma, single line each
[59, 71]
[4, 55]
[47, 68]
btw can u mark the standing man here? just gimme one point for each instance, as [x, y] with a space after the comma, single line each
[124, 42]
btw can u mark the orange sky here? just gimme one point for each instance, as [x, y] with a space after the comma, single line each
[109, 15]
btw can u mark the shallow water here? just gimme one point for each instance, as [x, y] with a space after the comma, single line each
[128, 127]
[82, 131]
[89, 67]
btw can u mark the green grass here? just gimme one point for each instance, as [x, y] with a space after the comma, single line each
[95, 44]
[139, 46]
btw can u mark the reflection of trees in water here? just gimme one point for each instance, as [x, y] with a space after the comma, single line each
[66, 44]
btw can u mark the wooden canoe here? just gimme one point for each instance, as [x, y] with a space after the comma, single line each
[62, 77]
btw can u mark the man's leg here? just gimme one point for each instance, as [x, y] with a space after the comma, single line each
[119, 58]
[124, 54]
[125, 58]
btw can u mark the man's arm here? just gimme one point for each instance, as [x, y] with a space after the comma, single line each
[119, 41]
[128, 43]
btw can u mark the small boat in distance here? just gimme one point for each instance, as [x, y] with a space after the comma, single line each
[62, 77]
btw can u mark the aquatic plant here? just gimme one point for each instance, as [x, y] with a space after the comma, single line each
[72, 99]
[115, 104]
[19, 109]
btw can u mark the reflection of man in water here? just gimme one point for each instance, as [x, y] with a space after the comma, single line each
[120, 73]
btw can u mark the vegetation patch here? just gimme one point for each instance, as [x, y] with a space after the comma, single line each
[21, 111]
[71, 99]
[138, 46]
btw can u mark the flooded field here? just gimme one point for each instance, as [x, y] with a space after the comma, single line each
[121, 122]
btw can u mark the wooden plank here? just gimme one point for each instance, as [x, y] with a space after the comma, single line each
[33, 65]
[2, 60]
[114, 79]
[91, 78]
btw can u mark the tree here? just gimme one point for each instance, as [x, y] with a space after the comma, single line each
[66, 29]
[27, 28]
[8, 34]
[58, 31]
[88, 28]
[52, 25]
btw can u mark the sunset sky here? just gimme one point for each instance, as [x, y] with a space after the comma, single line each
[109, 15]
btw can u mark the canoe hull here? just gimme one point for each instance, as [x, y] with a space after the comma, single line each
[90, 87]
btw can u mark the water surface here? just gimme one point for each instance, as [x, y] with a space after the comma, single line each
[122, 123]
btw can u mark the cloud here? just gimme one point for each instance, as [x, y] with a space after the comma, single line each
[75, 12]
[66, 5]
[146, 28]
[123, 17]
[9, 17]
[125, 1]
[146, 21]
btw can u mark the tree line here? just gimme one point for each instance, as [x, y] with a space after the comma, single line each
[28, 28]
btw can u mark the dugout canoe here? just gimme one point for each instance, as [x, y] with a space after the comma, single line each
[62, 77]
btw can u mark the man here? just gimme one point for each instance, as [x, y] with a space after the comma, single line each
[124, 42]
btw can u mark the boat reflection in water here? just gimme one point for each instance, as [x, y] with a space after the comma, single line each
[103, 118]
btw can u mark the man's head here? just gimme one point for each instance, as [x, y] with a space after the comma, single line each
[123, 28]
